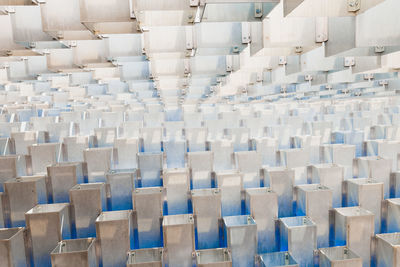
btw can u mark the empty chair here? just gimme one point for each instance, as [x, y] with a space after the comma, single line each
[175, 151]
[45, 239]
[243, 249]
[309, 143]
[331, 176]
[24, 115]
[223, 154]
[302, 249]
[376, 168]
[62, 177]
[120, 186]
[13, 166]
[148, 203]
[58, 131]
[192, 119]
[180, 246]
[283, 258]
[230, 184]
[153, 119]
[200, 165]
[151, 139]
[342, 255]
[367, 194]
[347, 220]
[390, 215]
[256, 126]
[44, 155]
[267, 148]
[12, 240]
[249, 164]
[173, 113]
[296, 159]
[240, 138]
[323, 129]
[111, 119]
[7, 128]
[76, 252]
[173, 130]
[105, 136]
[40, 123]
[339, 154]
[350, 137]
[176, 183]
[134, 115]
[281, 180]
[99, 161]
[74, 147]
[315, 201]
[126, 150]
[150, 167]
[87, 126]
[7, 146]
[70, 116]
[196, 139]
[143, 257]
[114, 247]
[24, 193]
[131, 129]
[384, 149]
[87, 202]
[262, 205]
[206, 205]
[215, 129]
[231, 119]
[23, 140]
[281, 133]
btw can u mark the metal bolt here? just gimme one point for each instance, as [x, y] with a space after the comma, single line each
[249, 219]
[286, 258]
[354, 3]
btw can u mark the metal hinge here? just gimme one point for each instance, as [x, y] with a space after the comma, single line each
[258, 10]
[229, 60]
[298, 49]
[246, 37]
[353, 5]
[379, 49]
[321, 29]
[282, 60]
[194, 2]
[349, 61]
